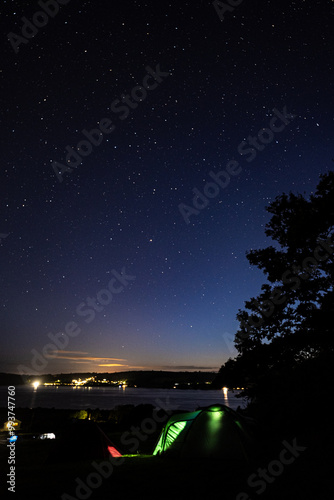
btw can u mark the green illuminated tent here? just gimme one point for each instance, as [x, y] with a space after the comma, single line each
[213, 432]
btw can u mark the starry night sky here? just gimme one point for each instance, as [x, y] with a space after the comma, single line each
[64, 242]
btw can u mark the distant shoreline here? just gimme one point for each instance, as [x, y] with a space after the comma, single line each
[151, 379]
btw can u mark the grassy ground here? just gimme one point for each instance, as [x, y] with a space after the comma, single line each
[147, 477]
[309, 476]
[142, 477]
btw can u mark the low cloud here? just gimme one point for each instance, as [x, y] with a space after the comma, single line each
[79, 357]
[112, 364]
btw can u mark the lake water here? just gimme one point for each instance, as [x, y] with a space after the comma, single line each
[106, 398]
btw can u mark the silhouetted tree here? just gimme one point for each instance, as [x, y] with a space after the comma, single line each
[290, 323]
[297, 302]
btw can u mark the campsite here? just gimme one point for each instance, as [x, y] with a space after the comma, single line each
[167, 250]
[186, 455]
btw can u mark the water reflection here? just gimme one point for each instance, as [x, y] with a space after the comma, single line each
[35, 386]
[225, 391]
[108, 398]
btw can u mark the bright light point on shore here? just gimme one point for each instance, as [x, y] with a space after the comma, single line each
[225, 390]
[35, 385]
[47, 435]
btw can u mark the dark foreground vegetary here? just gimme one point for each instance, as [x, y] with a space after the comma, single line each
[155, 477]
[290, 462]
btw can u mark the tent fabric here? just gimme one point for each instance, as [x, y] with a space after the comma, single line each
[174, 431]
[180, 422]
[213, 432]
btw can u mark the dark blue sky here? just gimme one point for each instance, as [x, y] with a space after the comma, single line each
[64, 242]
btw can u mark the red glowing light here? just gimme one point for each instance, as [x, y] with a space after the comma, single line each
[113, 452]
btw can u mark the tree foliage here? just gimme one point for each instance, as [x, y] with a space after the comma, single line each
[291, 320]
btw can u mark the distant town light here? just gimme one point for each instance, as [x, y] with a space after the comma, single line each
[35, 384]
